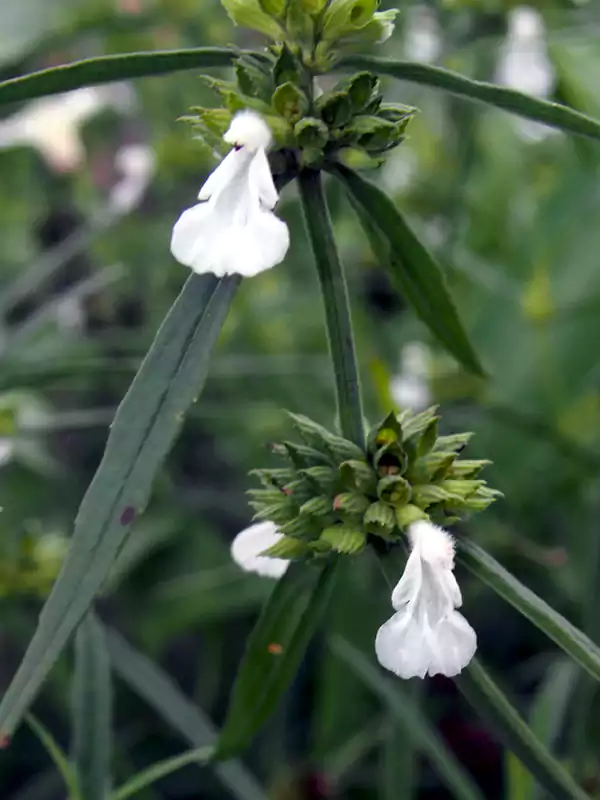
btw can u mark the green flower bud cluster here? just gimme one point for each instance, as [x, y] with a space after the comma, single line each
[349, 121]
[322, 28]
[333, 495]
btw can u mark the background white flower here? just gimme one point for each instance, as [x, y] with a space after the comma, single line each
[426, 636]
[251, 542]
[410, 388]
[233, 231]
[524, 64]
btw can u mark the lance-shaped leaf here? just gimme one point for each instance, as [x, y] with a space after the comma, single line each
[573, 641]
[104, 69]
[274, 651]
[142, 433]
[558, 116]
[488, 700]
[410, 266]
[92, 702]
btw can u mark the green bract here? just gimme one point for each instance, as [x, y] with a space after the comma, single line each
[349, 121]
[333, 494]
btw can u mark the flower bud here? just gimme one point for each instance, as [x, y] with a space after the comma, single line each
[350, 506]
[381, 27]
[394, 489]
[249, 14]
[290, 102]
[344, 539]
[358, 475]
[335, 109]
[379, 519]
[344, 17]
[311, 133]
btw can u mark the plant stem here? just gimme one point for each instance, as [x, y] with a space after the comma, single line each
[337, 306]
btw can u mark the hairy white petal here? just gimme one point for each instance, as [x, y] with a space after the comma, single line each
[248, 129]
[235, 163]
[426, 635]
[234, 231]
[434, 544]
[453, 644]
[251, 542]
[408, 587]
[261, 177]
[410, 647]
[205, 242]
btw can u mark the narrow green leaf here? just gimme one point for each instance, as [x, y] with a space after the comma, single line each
[154, 686]
[488, 701]
[105, 69]
[57, 755]
[415, 724]
[553, 114]
[552, 701]
[411, 267]
[145, 426]
[92, 706]
[552, 704]
[575, 643]
[159, 770]
[274, 651]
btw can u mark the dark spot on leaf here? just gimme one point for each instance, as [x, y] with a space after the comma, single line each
[275, 649]
[128, 515]
[4, 741]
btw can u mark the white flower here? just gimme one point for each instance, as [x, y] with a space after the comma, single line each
[233, 229]
[410, 388]
[248, 545]
[136, 163]
[52, 126]
[427, 636]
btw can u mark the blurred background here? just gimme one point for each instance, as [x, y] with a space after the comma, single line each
[91, 183]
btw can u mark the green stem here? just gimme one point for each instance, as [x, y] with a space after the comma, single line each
[337, 306]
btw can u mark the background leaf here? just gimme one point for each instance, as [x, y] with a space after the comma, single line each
[559, 116]
[410, 266]
[92, 710]
[144, 428]
[158, 690]
[274, 651]
[487, 699]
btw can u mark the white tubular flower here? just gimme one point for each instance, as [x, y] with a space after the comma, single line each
[248, 545]
[233, 230]
[427, 636]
